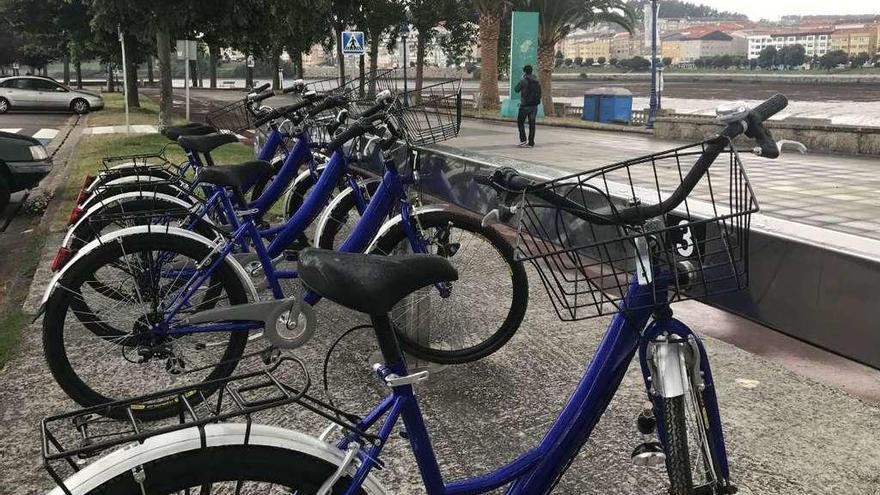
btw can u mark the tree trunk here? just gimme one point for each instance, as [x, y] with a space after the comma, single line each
[276, 65]
[362, 76]
[131, 75]
[66, 70]
[545, 73]
[248, 73]
[374, 61]
[110, 86]
[490, 27]
[340, 57]
[150, 80]
[166, 93]
[421, 48]
[213, 55]
[193, 73]
[77, 68]
[298, 60]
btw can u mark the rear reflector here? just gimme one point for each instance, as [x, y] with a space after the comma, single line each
[61, 258]
[88, 181]
[75, 213]
[82, 196]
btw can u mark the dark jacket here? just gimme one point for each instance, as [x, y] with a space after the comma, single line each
[530, 89]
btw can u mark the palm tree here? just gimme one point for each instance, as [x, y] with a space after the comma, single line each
[491, 12]
[560, 17]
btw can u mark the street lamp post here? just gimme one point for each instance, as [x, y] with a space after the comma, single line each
[652, 110]
[404, 33]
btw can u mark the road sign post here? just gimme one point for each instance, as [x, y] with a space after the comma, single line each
[124, 78]
[186, 50]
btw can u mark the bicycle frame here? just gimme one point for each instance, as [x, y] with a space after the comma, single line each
[389, 195]
[539, 469]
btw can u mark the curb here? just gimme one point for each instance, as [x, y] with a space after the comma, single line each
[590, 126]
[55, 183]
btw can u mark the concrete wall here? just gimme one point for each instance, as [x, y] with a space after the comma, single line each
[816, 136]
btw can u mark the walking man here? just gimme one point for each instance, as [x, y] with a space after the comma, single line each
[530, 96]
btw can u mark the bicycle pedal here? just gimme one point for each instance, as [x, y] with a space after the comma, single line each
[649, 454]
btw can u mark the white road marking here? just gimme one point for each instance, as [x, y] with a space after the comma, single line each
[46, 134]
[14, 131]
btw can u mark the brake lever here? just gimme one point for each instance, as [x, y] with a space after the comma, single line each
[502, 214]
[797, 145]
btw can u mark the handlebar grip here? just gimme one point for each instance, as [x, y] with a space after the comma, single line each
[265, 118]
[771, 107]
[373, 110]
[262, 96]
[261, 87]
[355, 130]
[327, 104]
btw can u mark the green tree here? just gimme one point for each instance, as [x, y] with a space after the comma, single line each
[601, 60]
[792, 55]
[491, 13]
[558, 18]
[579, 61]
[569, 62]
[588, 61]
[667, 61]
[860, 59]
[767, 57]
[378, 18]
[426, 16]
[833, 58]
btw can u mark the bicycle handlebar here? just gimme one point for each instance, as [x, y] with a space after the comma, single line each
[510, 180]
[329, 102]
[260, 88]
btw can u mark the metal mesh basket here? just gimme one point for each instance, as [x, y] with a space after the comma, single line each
[429, 115]
[700, 249]
[235, 117]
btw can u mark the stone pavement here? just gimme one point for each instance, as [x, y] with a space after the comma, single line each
[835, 192]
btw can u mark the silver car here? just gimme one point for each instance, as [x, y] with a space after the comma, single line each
[41, 93]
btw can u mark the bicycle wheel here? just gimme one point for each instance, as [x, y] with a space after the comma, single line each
[689, 461]
[120, 214]
[344, 216]
[233, 469]
[129, 358]
[481, 311]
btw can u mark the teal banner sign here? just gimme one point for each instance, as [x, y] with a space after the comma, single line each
[524, 29]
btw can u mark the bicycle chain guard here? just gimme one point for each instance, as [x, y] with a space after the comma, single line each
[270, 313]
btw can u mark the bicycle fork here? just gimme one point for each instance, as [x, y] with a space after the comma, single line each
[674, 363]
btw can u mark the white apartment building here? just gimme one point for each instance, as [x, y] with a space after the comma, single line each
[814, 42]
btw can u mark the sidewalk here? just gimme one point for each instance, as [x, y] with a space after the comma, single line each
[836, 192]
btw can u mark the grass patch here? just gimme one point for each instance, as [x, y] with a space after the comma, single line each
[114, 112]
[12, 319]
[93, 148]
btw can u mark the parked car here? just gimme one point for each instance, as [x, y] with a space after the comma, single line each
[42, 93]
[23, 164]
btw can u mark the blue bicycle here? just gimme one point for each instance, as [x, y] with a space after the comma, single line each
[594, 251]
[172, 305]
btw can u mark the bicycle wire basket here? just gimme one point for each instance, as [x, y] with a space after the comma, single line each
[430, 114]
[234, 118]
[699, 249]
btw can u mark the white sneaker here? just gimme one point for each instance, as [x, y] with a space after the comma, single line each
[523, 144]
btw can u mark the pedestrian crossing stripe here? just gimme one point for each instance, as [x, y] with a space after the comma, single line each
[13, 131]
[353, 42]
[45, 134]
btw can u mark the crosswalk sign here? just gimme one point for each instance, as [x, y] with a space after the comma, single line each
[353, 42]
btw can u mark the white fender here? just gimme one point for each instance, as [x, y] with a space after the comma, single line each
[128, 458]
[325, 214]
[421, 210]
[305, 174]
[123, 198]
[142, 229]
[99, 179]
[667, 364]
[129, 179]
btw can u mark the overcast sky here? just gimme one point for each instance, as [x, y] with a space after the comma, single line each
[774, 9]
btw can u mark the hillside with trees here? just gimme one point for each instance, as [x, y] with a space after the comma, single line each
[674, 9]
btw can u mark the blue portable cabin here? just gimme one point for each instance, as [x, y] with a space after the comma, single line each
[608, 105]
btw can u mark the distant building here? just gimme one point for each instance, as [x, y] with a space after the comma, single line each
[855, 40]
[685, 48]
[816, 41]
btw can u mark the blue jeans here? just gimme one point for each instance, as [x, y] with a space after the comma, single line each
[530, 112]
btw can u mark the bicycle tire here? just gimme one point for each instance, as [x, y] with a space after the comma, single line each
[518, 283]
[58, 306]
[678, 463]
[301, 472]
[339, 215]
